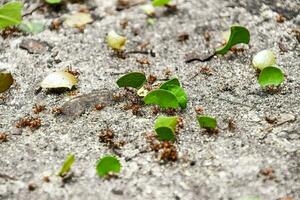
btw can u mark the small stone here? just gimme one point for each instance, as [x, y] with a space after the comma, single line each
[117, 191]
[34, 46]
[78, 105]
[286, 118]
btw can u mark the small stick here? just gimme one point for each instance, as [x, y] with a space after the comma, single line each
[196, 58]
[142, 52]
[34, 9]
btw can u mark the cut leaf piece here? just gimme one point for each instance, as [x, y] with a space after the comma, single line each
[160, 2]
[264, 59]
[67, 165]
[238, 35]
[108, 164]
[133, 79]
[10, 14]
[173, 86]
[32, 27]
[78, 20]
[207, 122]
[270, 76]
[165, 128]
[53, 1]
[163, 98]
[6, 80]
[115, 41]
[59, 79]
[179, 94]
[173, 81]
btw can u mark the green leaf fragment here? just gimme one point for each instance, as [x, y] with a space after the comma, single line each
[270, 76]
[173, 86]
[160, 2]
[53, 1]
[6, 80]
[32, 27]
[238, 35]
[163, 98]
[165, 128]
[133, 79]
[10, 14]
[207, 122]
[67, 165]
[108, 164]
[173, 81]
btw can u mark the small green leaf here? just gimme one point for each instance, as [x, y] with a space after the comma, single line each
[6, 80]
[238, 35]
[270, 76]
[207, 122]
[173, 86]
[133, 79]
[10, 14]
[67, 165]
[173, 81]
[108, 164]
[163, 98]
[53, 1]
[160, 2]
[165, 128]
[32, 27]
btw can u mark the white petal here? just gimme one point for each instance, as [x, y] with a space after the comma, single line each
[59, 80]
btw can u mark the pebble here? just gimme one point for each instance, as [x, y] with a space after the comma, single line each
[34, 46]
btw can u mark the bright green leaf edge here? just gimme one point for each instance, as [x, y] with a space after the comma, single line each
[161, 97]
[165, 128]
[173, 81]
[53, 1]
[108, 164]
[158, 3]
[238, 34]
[67, 165]
[207, 121]
[270, 76]
[179, 93]
[133, 79]
[10, 14]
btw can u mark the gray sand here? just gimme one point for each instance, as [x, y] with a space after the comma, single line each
[226, 166]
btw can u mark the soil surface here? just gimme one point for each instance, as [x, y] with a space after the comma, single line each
[255, 154]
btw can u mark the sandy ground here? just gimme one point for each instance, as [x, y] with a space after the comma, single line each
[222, 166]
